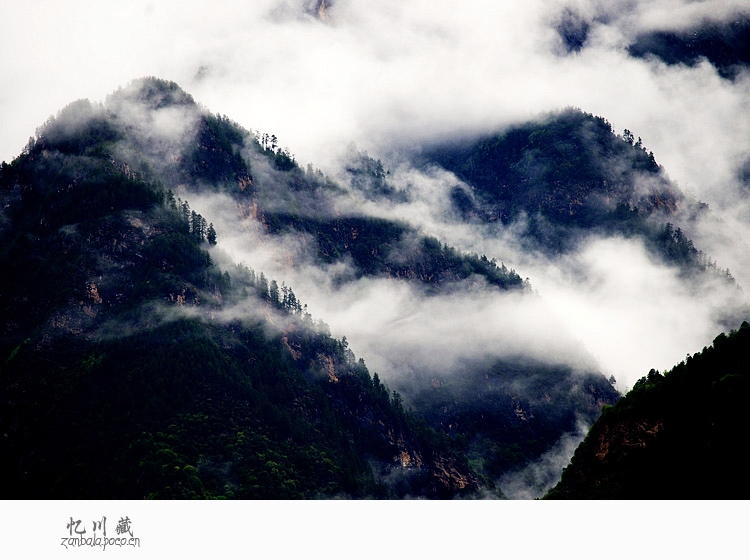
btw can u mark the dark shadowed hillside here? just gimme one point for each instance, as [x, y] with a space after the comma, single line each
[132, 366]
[677, 435]
[139, 358]
[724, 44]
[568, 177]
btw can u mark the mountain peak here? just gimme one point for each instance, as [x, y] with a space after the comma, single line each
[155, 93]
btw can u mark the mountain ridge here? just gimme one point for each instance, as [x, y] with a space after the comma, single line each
[127, 320]
[233, 390]
[673, 436]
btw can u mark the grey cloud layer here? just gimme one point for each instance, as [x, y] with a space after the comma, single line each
[384, 72]
[391, 74]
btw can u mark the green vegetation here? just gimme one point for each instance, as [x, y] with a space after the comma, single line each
[379, 247]
[723, 44]
[504, 414]
[559, 167]
[120, 381]
[132, 366]
[369, 177]
[678, 249]
[216, 158]
[569, 176]
[192, 410]
[673, 436]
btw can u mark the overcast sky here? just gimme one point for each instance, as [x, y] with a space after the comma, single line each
[394, 72]
[377, 73]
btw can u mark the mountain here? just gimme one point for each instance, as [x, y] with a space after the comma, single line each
[139, 357]
[722, 43]
[132, 366]
[568, 168]
[720, 38]
[568, 177]
[676, 435]
[503, 413]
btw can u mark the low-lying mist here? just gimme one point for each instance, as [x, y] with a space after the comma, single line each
[605, 304]
[392, 77]
[610, 305]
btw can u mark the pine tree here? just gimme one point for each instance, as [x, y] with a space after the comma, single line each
[211, 234]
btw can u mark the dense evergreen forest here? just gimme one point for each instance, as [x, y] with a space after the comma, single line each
[676, 435]
[572, 177]
[132, 365]
[723, 44]
[121, 379]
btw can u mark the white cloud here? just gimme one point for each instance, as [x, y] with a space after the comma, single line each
[379, 73]
[391, 74]
[633, 313]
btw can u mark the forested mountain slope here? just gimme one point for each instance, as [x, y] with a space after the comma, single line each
[679, 435]
[567, 177]
[132, 366]
[217, 381]
[722, 43]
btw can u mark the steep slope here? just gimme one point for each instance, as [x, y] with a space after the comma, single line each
[191, 151]
[505, 414]
[567, 177]
[724, 44]
[674, 436]
[228, 377]
[477, 402]
[133, 367]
